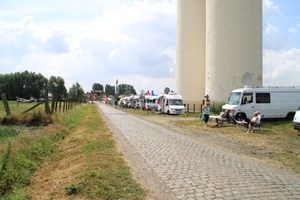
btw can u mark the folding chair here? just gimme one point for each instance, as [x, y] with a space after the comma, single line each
[240, 123]
[258, 126]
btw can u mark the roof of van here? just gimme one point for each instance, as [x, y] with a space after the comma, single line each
[267, 89]
[172, 96]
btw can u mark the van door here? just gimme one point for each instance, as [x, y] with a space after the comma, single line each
[248, 104]
[265, 106]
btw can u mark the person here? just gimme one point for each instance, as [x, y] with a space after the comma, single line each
[253, 121]
[251, 100]
[258, 115]
[225, 116]
[206, 110]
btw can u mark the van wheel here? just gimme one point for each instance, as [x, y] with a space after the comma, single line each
[290, 116]
[240, 117]
[168, 112]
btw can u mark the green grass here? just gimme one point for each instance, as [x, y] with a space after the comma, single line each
[103, 173]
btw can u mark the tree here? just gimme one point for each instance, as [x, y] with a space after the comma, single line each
[76, 92]
[97, 86]
[57, 87]
[22, 84]
[109, 89]
[129, 89]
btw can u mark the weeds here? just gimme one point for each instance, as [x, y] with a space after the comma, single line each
[74, 188]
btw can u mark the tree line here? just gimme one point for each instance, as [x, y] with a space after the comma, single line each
[31, 85]
[123, 89]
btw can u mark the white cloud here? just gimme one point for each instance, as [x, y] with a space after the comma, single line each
[113, 53]
[292, 30]
[270, 6]
[270, 30]
[282, 68]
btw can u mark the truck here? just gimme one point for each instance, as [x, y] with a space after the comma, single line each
[273, 102]
[171, 104]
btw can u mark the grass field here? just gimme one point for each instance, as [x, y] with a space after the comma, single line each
[18, 108]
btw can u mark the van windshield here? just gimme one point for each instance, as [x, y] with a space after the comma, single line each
[176, 102]
[234, 98]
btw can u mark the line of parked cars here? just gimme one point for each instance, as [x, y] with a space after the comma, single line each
[24, 100]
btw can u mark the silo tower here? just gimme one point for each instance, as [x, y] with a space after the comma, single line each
[190, 56]
[233, 45]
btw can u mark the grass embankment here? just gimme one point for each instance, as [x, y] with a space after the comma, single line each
[277, 141]
[75, 157]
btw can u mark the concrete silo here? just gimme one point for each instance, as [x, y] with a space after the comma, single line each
[233, 45]
[190, 56]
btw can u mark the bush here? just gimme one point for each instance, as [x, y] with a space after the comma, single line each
[216, 107]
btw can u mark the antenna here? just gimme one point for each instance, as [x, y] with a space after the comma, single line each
[167, 90]
[247, 78]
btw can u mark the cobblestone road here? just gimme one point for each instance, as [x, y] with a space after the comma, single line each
[194, 170]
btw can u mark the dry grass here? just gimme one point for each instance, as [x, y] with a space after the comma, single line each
[88, 164]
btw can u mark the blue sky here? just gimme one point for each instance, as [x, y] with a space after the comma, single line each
[88, 41]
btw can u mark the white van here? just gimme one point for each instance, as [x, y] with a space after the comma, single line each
[272, 102]
[171, 104]
[148, 101]
[296, 121]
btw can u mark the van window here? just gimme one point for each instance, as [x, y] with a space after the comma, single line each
[176, 102]
[263, 98]
[234, 98]
[247, 98]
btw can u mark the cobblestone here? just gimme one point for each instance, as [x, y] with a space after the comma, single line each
[195, 170]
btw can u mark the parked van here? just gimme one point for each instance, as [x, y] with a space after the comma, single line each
[134, 101]
[296, 121]
[171, 104]
[148, 101]
[272, 102]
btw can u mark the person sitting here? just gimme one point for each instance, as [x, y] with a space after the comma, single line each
[251, 100]
[253, 121]
[224, 117]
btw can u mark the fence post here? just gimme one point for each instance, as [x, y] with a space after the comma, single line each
[6, 106]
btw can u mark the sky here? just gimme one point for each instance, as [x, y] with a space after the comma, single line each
[134, 42]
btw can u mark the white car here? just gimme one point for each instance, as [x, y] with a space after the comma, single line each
[23, 100]
[296, 121]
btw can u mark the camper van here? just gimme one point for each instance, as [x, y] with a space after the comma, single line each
[171, 104]
[272, 102]
[134, 101]
[148, 101]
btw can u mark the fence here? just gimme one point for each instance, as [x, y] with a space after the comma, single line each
[193, 108]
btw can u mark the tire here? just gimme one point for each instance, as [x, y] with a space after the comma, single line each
[240, 116]
[290, 116]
